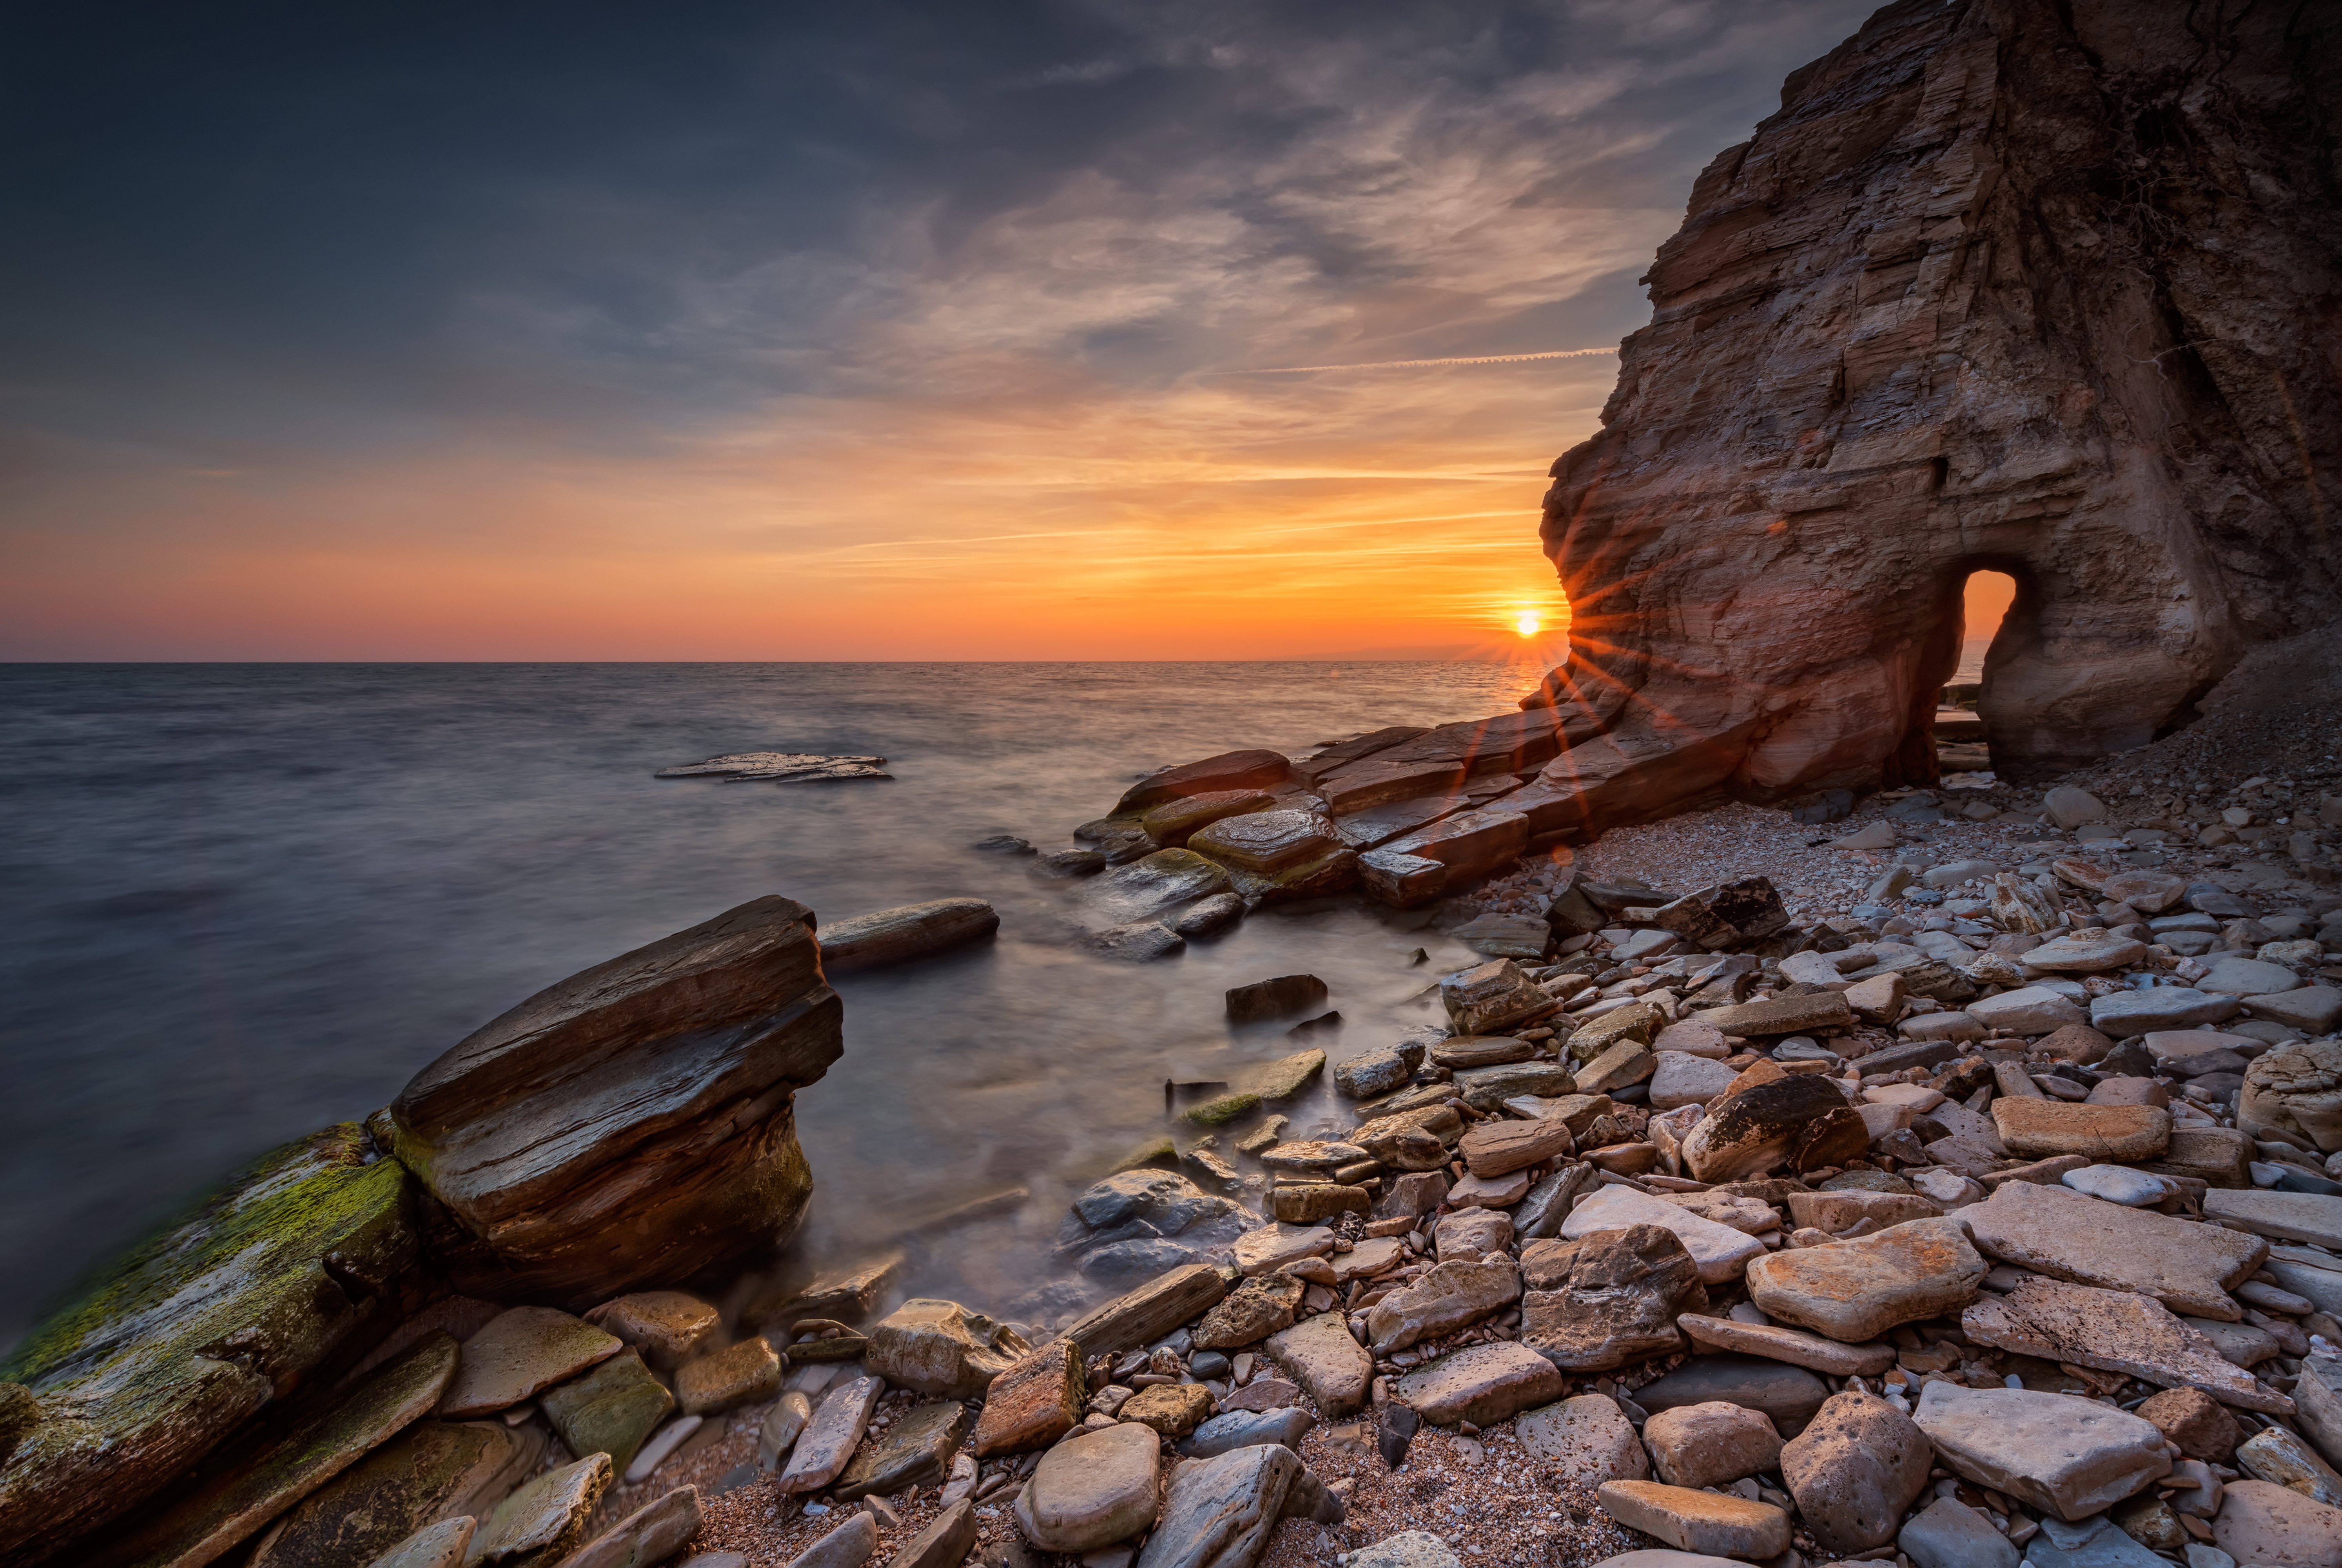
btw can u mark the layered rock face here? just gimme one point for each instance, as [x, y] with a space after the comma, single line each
[2047, 288]
[633, 1124]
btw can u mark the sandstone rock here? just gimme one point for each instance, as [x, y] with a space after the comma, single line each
[916, 1450]
[2296, 1089]
[1481, 1383]
[2122, 1013]
[2059, 1453]
[1487, 1088]
[665, 1327]
[1201, 918]
[1635, 1021]
[899, 935]
[1469, 843]
[1171, 823]
[1493, 997]
[1243, 769]
[593, 1100]
[2194, 1421]
[1616, 1301]
[1719, 1251]
[2120, 1184]
[1790, 1346]
[2276, 1455]
[2028, 1010]
[2240, 976]
[1244, 1428]
[1706, 1522]
[433, 1471]
[1272, 1247]
[1372, 1072]
[941, 1347]
[745, 1374]
[1693, 1037]
[788, 1418]
[1264, 1393]
[651, 1534]
[234, 1505]
[1260, 1000]
[1148, 890]
[1855, 1291]
[1033, 1404]
[1681, 1079]
[441, 1545]
[1760, 1129]
[946, 1542]
[1448, 1297]
[849, 1546]
[1711, 1445]
[1173, 1409]
[1273, 856]
[1145, 1315]
[1621, 1066]
[1315, 1202]
[2113, 1331]
[1855, 1469]
[1218, 1512]
[1727, 916]
[1589, 1436]
[1837, 1210]
[1092, 1490]
[2041, 1127]
[830, 1438]
[543, 1522]
[1495, 1148]
[2268, 1526]
[1948, 1533]
[1469, 1235]
[1789, 1395]
[1822, 1011]
[613, 1408]
[2188, 1267]
[2313, 1009]
[1320, 1355]
[2085, 954]
[2286, 1216]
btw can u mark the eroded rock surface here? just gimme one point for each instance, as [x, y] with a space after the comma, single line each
[1970, 299]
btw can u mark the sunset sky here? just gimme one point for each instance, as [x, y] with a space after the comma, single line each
[697, 331]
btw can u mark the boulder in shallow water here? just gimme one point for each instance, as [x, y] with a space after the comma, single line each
[900, 935]
[129, 1400]
[1245, 770]
[1277, 856]
[1171, 823]
[634, 1123]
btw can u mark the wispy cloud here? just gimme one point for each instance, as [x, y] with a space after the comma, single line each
[1080, 343]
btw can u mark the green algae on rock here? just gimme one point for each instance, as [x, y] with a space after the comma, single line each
[436, 1470]
[259, 1486]
[179, 1343]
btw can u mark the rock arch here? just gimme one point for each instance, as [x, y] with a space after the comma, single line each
[2045, 287]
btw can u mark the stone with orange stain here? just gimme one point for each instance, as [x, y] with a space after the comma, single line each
[1855, 1291]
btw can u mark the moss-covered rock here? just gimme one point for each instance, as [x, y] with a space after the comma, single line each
[436, 1470]
[179, 1343]
[258, 1480]
[611, 1409]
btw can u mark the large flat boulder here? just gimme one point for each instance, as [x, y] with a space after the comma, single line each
[899, 935]
[2114, 1330]
[435, 1470]
[2188, 1266]
[654, 1089]
[2060, 1452]
[2287, 1216]
[1855, 1291]
[1719, 1251]
[1243, 769]
[129, 1397]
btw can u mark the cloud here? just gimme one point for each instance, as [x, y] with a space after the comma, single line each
[914, 338]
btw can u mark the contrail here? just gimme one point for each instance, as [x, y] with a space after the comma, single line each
[1411, 364]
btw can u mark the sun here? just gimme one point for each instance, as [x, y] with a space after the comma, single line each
[1526, 624]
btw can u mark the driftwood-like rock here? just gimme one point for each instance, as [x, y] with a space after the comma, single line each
[1979, 296]
[634, 1123]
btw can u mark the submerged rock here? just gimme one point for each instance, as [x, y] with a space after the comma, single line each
[657, 1086]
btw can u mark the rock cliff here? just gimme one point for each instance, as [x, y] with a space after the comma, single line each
[2048, 288]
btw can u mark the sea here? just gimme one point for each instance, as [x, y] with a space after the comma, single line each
[247, 901]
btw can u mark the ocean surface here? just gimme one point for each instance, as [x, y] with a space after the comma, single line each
[245, 902]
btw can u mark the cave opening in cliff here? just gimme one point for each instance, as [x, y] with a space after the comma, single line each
[1980, 624]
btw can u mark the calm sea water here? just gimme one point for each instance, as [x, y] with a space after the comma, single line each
[247, 901]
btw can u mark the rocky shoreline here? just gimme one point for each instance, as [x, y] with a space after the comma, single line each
[1971, 1202]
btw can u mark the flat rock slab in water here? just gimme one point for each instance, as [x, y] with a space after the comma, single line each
[779, 768]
